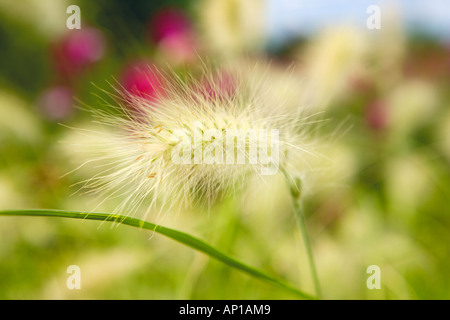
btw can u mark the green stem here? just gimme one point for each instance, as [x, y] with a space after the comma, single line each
[179, 236]
[301, 222]
[295, 190]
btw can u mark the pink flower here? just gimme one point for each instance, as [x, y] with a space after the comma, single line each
[377, 115]
[179, 48]
[171, 29]
[56, 103]
[79, 49]
[142, 80]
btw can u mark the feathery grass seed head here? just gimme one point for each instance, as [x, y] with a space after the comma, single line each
[188, 147]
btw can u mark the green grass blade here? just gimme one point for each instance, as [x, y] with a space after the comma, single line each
[176, 235]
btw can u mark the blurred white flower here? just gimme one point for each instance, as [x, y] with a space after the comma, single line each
[330, 60]
[408, 183]
[17, 120]
[410, 105]
[48, 17]
[443, 134]
[232, 26]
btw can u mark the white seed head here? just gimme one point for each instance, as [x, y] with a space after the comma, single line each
[196, 143]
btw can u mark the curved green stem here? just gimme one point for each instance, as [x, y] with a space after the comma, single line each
[179, 236]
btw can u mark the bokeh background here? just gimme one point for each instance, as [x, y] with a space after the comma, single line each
[384, 200]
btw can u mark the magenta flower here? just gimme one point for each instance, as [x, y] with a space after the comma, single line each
[79, 49]
[167, 23]
[142, 80]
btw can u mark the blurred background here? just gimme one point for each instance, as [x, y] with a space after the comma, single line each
[383, 201]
